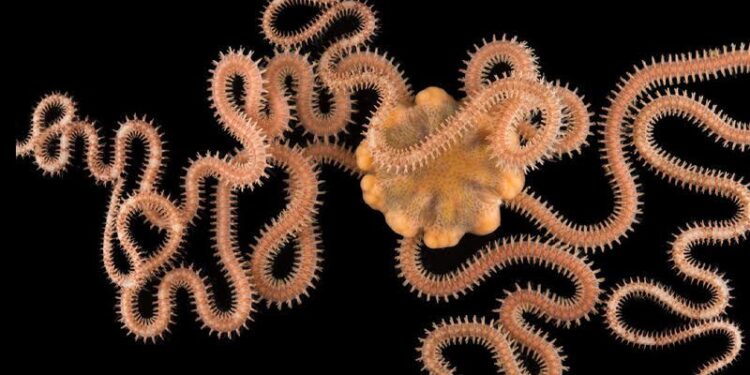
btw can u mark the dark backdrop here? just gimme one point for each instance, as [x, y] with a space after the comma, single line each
[121, 60]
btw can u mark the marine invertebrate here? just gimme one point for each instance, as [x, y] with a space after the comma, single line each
[436, 167]
[643, 99]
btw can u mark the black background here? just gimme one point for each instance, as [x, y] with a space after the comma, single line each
[121, 60]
